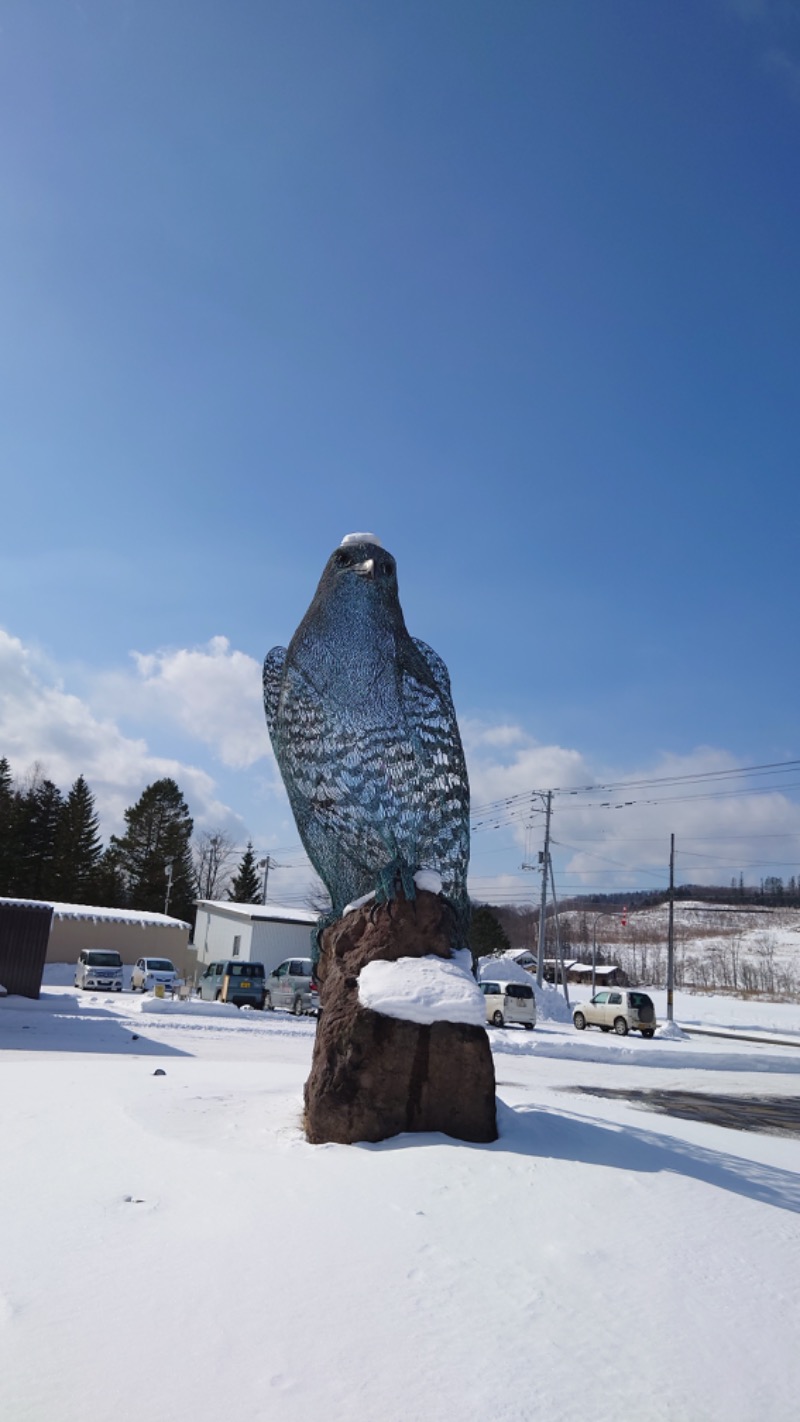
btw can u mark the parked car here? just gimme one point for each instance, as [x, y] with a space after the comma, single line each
[509, 1002]
[147, 972]
[233, 981]
[293, 987]
[623, 1009]
[99, 968]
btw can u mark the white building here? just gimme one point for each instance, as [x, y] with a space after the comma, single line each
[258, 933]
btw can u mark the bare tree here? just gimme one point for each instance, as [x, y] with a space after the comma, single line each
[213, 851]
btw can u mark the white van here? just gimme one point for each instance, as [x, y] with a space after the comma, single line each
[99, 968]
[509, 1002]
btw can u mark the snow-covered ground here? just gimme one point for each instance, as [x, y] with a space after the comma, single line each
[171, 1248]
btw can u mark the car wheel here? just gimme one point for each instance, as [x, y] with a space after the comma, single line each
[648, 1031]
[529, 1026]
[268, 1002]
[579, 1021]
[620, 1027]
[498, 1020]
[297, 1007]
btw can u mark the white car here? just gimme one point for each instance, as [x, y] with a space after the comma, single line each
[99, 968]
[621, 1009]
[148, 972]
[509, 1002]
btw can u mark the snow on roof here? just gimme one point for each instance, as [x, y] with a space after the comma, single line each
[25, 903]
[99, 915]
[600, 970]
[275, 912]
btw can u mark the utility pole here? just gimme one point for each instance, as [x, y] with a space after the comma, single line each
[266, 865]
[671, 930]
[559, 953]
[543, 905]
[169, 887]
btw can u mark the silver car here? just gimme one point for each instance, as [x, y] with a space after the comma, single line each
[621, 1009]
[292, 987]
[99, 968]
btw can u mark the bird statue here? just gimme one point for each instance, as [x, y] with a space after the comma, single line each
[364, 731]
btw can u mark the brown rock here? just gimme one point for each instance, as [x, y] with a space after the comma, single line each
[374, 1076]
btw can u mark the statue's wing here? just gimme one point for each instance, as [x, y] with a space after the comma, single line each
[443, 786]
[436, 667]
[273, 680]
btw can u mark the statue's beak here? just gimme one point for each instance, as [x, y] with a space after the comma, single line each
[365, 569]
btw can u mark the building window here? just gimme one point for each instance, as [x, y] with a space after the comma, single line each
[237, 944]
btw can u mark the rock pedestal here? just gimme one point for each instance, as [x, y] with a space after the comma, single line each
[374, 1076]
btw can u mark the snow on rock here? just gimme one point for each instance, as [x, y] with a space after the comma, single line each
[424, 990]
[428, 879]
[424, 879]
[551, 1005]
[358, 903]
[3, 991]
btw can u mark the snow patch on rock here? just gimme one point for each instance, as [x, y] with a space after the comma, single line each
[424, 990]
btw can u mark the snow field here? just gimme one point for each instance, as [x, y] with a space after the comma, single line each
[171, 1247]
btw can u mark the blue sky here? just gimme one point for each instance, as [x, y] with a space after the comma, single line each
[514, 285]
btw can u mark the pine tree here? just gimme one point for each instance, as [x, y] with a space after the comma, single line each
[246, 885]
[78, 847]
[486, 934]
[38, 812]
[159, 830]
[7, 819]
[109, 887]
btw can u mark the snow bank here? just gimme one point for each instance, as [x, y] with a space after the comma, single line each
[422, 990]
[672, 1032]
[192, 1007]
[550, 1003]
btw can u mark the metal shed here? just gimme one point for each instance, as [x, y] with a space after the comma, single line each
[24, 935]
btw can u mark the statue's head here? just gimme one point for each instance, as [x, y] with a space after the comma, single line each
[360, 570]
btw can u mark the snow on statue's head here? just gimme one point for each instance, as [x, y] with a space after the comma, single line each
[360, 538]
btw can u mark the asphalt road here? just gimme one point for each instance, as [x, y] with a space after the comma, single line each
[771, 1115]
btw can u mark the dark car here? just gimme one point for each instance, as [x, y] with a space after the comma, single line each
[233, 981]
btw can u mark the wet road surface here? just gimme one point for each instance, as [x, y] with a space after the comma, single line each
[772, 1115]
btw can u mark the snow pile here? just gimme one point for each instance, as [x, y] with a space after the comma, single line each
[3, 991]
[191, 1007]
[424, 990]
[672, 1032]
[550, 1003]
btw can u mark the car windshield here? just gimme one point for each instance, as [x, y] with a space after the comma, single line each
[639, 999]
[103, 960]
[246, 970]
[159, 965]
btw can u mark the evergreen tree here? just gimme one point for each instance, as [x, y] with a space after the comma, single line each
[246, 886]
[7, 819]
[109, 887]
[38, 813]
[78, 847]
[486, 934]
[159, 830]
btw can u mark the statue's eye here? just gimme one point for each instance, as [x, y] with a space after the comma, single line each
[388, 566]
[342, 559]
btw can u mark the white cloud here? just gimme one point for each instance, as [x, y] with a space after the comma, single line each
[620, 839]
[213, 693]
[41, 721]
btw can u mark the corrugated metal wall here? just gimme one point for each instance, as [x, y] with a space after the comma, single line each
[24, 934]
